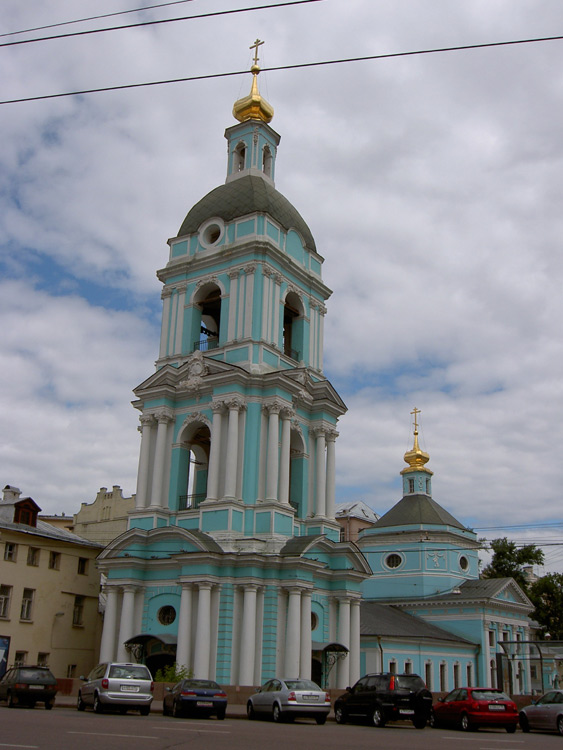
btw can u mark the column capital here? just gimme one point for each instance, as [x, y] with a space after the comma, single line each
[287, 412]
[166, 292]
[249, 586]
[146, 420]
[235, 403]
[164, 415]
[108, 588]
[217, 407]
[331, 435]
[274, 406]
[249, 268]
[319, 431]
[234, 273]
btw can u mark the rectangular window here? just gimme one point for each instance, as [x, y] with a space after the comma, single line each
[428, 675]
[27, 604]
[534, 672]
[10, 552]
[492, 638]
[469, 675]
[71, 670]
[456, 675]
[33, 556]
[42, 659]
[78, 611]
[20, 658]
[408, 667]
[82, 566]
[443, 680]
[54, 560]
[5, 595]
[393, 667]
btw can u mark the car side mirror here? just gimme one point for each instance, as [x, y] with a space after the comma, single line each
[441, 700]
[349, 689]
[82, 677]
[168, 689]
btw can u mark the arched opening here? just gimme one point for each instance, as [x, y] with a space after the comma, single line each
[239, 157]
[267, 161]
[297, 461]
[193, 465]
[293, 316]
[208, 300]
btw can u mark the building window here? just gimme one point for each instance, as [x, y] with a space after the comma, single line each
[27, 604]
[534, 672]
[408, 667]
[491, 638]
[456, 675]
[71, 670]
[411, 485]
[469, 673]
[5, 594]
[82, 566]
[463, 562]
[427, 486]
[393, 667]
[393, 560]
[10, 552]
[42, 659]
[428, 675]
[505, 635]
[443, 678]
[33, 556]
[314, 620]
[166, 615]
[78, 611]
[20, 658]
[54, 560]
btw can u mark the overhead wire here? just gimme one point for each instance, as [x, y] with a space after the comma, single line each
[294, 66]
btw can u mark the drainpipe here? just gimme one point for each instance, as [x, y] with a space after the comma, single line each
[477, 659]
[382, 669]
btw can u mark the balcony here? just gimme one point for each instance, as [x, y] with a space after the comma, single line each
[206, 345]
[190, 502]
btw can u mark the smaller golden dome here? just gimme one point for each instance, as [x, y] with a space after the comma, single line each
[416, 458]
[253, 106]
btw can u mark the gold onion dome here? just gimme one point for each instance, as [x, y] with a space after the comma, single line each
[416, 458]
[253, 106]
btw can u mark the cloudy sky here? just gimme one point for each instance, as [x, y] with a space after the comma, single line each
[432, 184]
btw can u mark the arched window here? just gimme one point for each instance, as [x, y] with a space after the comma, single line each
[267, 161]
[193, 465]
[239, 157]
[208, 301]
[293, 327]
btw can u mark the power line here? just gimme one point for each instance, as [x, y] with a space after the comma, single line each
[95, 18]
[295, 66]
[211, 14]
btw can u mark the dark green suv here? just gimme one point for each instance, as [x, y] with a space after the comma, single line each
[28, 686]
[386, 697]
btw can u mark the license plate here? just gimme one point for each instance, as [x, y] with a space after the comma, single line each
[36, 687]
[205, 704]
[130, 688]
[495, 707]
[406, 711]
[309, 698]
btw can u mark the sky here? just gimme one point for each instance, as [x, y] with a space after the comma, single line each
[432, 185]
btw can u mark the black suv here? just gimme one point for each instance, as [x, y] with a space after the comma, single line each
[386, 697]
[28, 686]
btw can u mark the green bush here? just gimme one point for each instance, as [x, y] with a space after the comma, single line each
[173, 673]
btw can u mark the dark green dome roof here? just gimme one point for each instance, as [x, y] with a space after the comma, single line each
[247, 195]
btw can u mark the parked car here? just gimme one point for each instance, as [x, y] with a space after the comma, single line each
[28, 686]
[473, 707]
[286, 700]
[545, 713]
[118, 685]
[385, 697]
[195, 698]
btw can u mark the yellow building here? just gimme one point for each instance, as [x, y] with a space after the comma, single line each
[49, 588]
[104, 519]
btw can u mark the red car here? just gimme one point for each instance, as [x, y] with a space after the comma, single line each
[473, 707]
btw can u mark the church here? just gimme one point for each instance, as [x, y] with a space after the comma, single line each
[232, 564]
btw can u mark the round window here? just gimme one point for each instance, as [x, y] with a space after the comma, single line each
[393, 560]
[463, 562]
[166, 615]
[211, 233]
[314, 620]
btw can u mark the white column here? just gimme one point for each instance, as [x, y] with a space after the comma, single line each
[203, 631]
[354, 656]
[107, 646]
[321, 337]
[215, 451]
[163, 417]
[283, 492]
[248, 636]
[166, 297]
[183, 650]
[249, 299]
[330, 473]
[259, 636]
[273, 452]
[321, 473]
[180, 310]
[278, 278]
[126, 626]
[306, 641]
[233, 301]
[147, 421]
[232, 449]
[266, 294]
[292, 634]
[215, 606]
[343, 665]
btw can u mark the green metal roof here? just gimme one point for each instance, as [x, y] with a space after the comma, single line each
[417, 510]
[243, 196]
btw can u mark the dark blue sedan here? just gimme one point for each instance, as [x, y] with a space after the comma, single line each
[195, 698]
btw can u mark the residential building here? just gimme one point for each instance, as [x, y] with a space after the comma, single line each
[49, 588]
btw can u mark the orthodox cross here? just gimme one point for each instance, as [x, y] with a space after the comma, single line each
[255, 46]
[416, 412]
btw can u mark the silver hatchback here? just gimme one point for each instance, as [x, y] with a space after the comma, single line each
[120, 685]
[286, 700]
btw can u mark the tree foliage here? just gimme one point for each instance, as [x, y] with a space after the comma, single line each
[547, 596]
[172, 673]
[509, 561]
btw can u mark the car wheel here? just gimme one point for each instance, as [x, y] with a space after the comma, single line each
[176, 710]
[49, 704]
[276, 713]
[11, 702]
[164, 709]
[465, 724]
[221, 715]
[339, 715]
[378, 717]
[511, 728]
[560, 724]
[98, 706]
[432, 721]
[123, 710]
[80, 705]
[144, 710]
[524, 723]
[419, 722]
[250, 712]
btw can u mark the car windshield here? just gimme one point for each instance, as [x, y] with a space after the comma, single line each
[206, 684]
[489, 695]
[32, 675]
[408, 682]
[301, 685]
[129, 672]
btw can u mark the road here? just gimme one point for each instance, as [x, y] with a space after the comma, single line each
[65, 728]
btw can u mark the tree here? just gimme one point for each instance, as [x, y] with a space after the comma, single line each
[509, 561]
[547, 596]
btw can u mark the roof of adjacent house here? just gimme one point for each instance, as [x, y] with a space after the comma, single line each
[385, 620]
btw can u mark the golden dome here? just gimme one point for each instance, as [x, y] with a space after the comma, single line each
[253, 106]
[416, 458]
